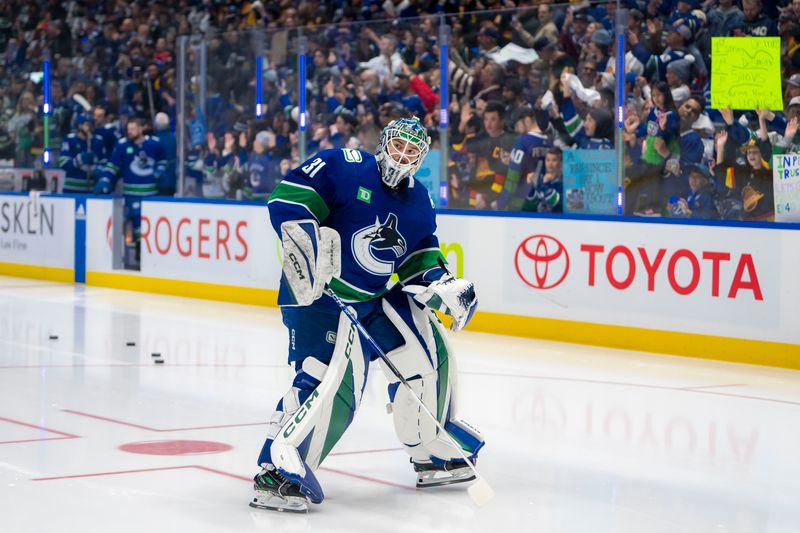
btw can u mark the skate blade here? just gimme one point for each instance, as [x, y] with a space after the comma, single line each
[429, 482]
[272, 502]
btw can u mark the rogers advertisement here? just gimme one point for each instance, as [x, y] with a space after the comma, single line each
[715, 280]
[226, 244]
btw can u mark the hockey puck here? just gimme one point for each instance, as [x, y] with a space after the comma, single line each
[158, 361]
[155, 354]
[53, 337]
[131, 343]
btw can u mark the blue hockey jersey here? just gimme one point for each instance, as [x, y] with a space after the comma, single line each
[110, 138]
[140, 165]
[78, 159]
[527, 157]
[383, 231]
[260, 176]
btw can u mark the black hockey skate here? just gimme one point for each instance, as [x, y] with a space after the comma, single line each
[276, 493]
[433, 475]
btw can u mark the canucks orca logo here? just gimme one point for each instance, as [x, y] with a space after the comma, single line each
[142, 164]
[379, 237]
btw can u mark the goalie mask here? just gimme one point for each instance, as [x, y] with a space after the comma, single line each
[402, 147]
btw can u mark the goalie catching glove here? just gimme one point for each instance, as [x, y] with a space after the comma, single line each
[453, 296]
[312, 256]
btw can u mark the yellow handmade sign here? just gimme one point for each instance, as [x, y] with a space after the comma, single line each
[746, 73]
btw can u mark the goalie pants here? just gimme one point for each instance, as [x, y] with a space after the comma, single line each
[323, 345]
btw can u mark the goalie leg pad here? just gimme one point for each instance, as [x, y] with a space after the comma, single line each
[426, 362]
[301, 439]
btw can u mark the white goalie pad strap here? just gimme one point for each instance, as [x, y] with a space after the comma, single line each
[311, 258]
[327, 412]
[430, 369]
[290, 404]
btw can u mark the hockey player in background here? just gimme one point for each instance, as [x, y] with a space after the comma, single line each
[527, 157]
[348, 220]
[141, 162]
[80, 153]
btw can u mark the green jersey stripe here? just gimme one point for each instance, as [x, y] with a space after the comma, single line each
[298, 194]
[351, 294]
[572, 125]
[419, 262]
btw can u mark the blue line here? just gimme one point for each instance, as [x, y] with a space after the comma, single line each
[59, 195]
[80, 241]
[301, 89]
[172, 199]
[621, 78]
[476, 213]
[624, 218]
[46, 101]
[259, 96]
[443, 86]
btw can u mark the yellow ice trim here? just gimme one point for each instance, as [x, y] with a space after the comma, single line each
[188, 289]
[765, 353]
[756, 352]
[65, 275]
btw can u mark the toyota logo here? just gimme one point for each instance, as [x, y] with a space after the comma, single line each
[541, 261]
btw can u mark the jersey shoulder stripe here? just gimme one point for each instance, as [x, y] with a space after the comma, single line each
[297, 194]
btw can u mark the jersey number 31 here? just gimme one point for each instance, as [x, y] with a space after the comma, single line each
[312, 168]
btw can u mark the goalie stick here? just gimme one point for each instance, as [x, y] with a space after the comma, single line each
[480, 492]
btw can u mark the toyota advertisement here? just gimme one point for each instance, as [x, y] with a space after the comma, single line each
[714, 280]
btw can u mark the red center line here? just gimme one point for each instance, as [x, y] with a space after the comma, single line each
[36, 440]
[40, 367]
[97, 474]
[143, 365]
[157, 430]
[366, 451]
[218, 472]
[40, 428]
[703, 387]
[367, 478]
[140, 470]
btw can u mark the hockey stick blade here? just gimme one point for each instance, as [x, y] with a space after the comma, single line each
[479, 492]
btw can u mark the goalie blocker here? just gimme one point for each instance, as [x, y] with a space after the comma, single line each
[311, 258]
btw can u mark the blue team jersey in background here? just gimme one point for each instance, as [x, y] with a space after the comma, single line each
[140, 165]
[78, 159]
[526, 157]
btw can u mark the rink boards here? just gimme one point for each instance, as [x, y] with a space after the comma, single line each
[713, 290]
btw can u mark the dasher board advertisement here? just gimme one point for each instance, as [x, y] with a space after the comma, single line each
[37, 230]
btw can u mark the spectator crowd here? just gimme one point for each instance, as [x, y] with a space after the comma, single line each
[527, 81]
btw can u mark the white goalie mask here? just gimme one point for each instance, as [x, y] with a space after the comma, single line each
[402, 147]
